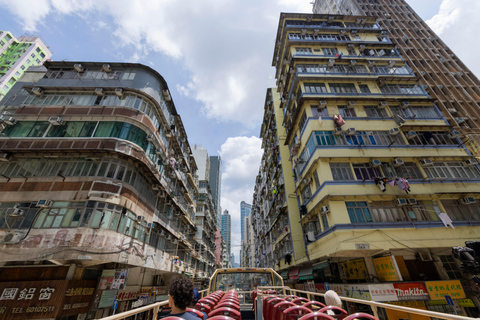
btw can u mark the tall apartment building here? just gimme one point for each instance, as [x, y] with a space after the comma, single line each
[16, 56]
[226, 231]
[215, 180]
[97, 183]
[203, 162]
[248, 245]
[384, 184]
[245, 210]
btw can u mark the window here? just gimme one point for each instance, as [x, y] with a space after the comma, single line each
[306, 193]
[304, 51]
[28, 61]
[38, 49]
[409, 170]
[453, 169]
[358, 212]
[346, 112]
[364, 88]
[303, 121]
[330, 51]
[374, 112]
[450, 266]
[42, 55]
[315, 88]
[17, 74]
[402, 89]
[363, 171]
[460, 212]
[315, 178]
[341, 171]
[342, 87]
[325, 222]
[33, 55]
[129, 74]
[37, 61]
[22, 67]
[319, 111]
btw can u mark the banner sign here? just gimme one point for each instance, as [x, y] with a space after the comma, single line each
[357, 291]
[439, 289]
[411, 291]
[353, 269]
[387, 269]
[382, 292]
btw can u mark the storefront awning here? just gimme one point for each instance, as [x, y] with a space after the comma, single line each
[284, 275]
[293, 274]
[188, 274]
[305, 273]
[320, 265]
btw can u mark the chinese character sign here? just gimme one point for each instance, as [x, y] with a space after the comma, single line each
[382, 292]
[439, 289]
[387, 269]
[411, 291]
[353, 269]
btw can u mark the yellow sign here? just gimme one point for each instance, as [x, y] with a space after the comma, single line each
[411, 304]
[466, 303]
[387, 269]
[353, 269]
[439, 289]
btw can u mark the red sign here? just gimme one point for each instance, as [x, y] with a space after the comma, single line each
[320, 287]
[411, 291]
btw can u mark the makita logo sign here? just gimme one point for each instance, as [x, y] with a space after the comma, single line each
[411, 291]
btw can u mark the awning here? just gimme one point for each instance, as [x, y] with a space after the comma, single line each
[188, 274]
[305, 273]
[284, 275]
[320, 265]
[293, 274]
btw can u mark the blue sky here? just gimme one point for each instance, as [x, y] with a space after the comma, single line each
[215, 56]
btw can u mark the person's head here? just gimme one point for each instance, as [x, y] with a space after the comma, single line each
[181, 293]
[332, 299]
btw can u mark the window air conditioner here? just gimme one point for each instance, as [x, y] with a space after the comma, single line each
[323, 103]
[391, 64]
[150, 225]
[324, 210]
[14, 212]
[306, 181]
[343, 32]
[452, 110]
[351, 104]
[304, 32]
[405, 104]
[8, 120]
[315, 32]
[381, 83]
[362, 46]
[106, 68]
[5, 157]
[331, 62]
[37, 91]
[338, 131]
[12, 237]
[412, 201]
[454, 134]
[375, 163]
[166, 95]
[411, 134]
[150, 138]
[140, 218]
[468, 200]
[353, 32]
[401, 202]
[99, 91]
[426, 163]
[44, 203]
[351, 131]
[78, 67]
[56, 121]
[394, 131]
[119, 92]
[398, 162]
[353, 62]
[471, 162]
[459, 120]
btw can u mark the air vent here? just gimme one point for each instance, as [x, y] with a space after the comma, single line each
[56, 121]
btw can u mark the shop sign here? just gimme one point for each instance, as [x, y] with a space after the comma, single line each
[387, 269]
[410, 304]
[437, 302]
[299, 286]
[357, 291]
[320, 288]
[107, 298]
[137, 303]
[31, 299]
[113, 279]
[78, 296]
[382, 292]
[466, 303]
[411, 291]
[130, 293]
[353, 269]
[338, 288]
[439, 289]
[310, 286]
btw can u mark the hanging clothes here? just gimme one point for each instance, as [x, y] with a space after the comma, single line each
[381, 183]
[428, 136]
[402, 184]
[446, 220]
[338, 120]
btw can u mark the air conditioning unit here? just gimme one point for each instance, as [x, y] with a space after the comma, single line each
[459, 120]
[323, 103]
[14, 212]
[362, 46]
[56, 121]
[468, 200]
[452, 110]
[37, 91]
[99, 91]
[353, 32]
[343, 32]
[381, 83]
[398, 162]
[394, 131]
[306, 181]
[405, 104]
[471, 162]
[351, 104]
[150, 225]
[106, 68]
[156, 187]
[454, 134]
[353, 62]
[412, 201]
[426, 163]
[382, 104]
[5, 157]
[78, 67]
[425, 256]
[370, 63]
[119, 92]
[8, 120]
[44, 203]
[331, 62]
[351, 131]
[140, 218]
[324, 210]
[384, 32]
[401, 202]
[375, 163]
[150, 138]
[304, 32]
[166, 95]
[411, 134]
[315, 32]
[391, 64]
[310, 236]
[12, 237]
[338, 131]
[350, 45]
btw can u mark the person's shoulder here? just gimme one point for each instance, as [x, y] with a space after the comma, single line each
[190, 316]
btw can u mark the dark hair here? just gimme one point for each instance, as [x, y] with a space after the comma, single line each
[181, 290]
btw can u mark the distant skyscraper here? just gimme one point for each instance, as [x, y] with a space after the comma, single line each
[227, 230]
[215, 181]
[245, 210]
[16, 55]
[203, 162]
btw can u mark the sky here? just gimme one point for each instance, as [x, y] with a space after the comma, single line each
[215, 56]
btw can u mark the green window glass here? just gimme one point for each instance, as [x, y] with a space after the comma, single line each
[21, 129]
[104, 129]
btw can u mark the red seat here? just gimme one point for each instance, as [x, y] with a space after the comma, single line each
[290, 298]
[172, 318]
[300, 301]
[199, 314]
[264, 304]
[360, 316]
[340, 314]
[268, 312]
[280, 307]
[314, 305]
[317, 316]
[209, 302]
[226, 312]
[220, 318]
[228, 304]
[294, 313]
[203, 307]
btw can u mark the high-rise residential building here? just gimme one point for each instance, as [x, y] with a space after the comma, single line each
[245, 210]
[16, 55]
[215, 180]
[203, 162]
[226, 231]
[97, 185]
[383, 180]
[248, 245]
